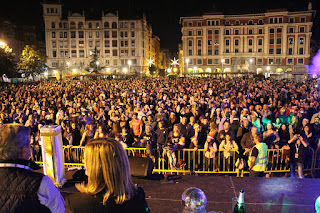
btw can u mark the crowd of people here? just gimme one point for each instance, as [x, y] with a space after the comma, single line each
[169, 114]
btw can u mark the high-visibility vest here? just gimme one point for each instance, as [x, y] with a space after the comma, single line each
[260, 165]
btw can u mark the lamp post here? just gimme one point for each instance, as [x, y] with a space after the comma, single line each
[187, 61]
[222, 63]
[194, 70]
[68, 64]
[268, 71]
[250, 67]
[129, 63]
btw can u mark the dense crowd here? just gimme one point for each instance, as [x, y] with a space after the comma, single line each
[167, 114]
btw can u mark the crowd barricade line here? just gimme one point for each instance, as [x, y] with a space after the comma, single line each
[192, 161]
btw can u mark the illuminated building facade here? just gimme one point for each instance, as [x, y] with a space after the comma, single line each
[274, 42]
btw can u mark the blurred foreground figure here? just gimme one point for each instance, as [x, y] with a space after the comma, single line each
[23, 190]
[109, 188]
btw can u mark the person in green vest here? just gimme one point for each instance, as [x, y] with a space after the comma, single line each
[258, 157]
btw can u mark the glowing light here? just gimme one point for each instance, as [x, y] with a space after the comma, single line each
[97, 63]
[55, 72]
[129, 63]
[175, 69]
[227, 70]
[46, 73]
[169, 70]
[268, 68]
[222, 61]
[150, 62]
[195, 68]
[174, 62]
[74, 70]
[317, 205]
[187, 60]
[208, 69]
[251, 60]
[315, 66]
[68, 63]
[2, 44]
[125, 70]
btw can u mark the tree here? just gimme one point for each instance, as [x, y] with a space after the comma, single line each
[94, 65]
[32, 61]
[7, 63]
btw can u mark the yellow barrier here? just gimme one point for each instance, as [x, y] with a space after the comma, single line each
[191, 161]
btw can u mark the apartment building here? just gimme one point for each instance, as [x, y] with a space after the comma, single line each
[122, 45]
[274, 42]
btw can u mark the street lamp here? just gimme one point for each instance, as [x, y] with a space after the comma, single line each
[68, 64]
[97, 63]
[129, 63]
[194, 70]
[251, 60]
[222, 63]
[187, 61]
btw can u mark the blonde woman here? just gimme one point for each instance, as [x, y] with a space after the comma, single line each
[109, 187]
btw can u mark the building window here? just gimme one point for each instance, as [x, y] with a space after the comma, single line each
[209, 32]
[216, 42]
[301, 41]
[216, 51]
[250, 22]
[72, 25]
[106, 25]
[90, 34]
[227, 61]
[190, 43]
[278, 51]
[301, 29]
[190, 52]
[236, 32]
[54, 44]
[236, 42]
[250, 50]
[250, 32]
[65, 34]
[278, 40]
[114, 43]
[73, 34]
[260, 31]
[80, 25]
[302, 19]
[106, 34]
[259, 50]
[227, 42]
[98, 43]
[260, 41]
[271, 51]
[81, 44]
[216, 32]
[54, 54]
[199, 24]
[199, 43]
[199, 33]
[199, 51]
[53, 25]
[236, 50]
[199, 61]
[90, 44]
[290, 51]
[73, 53]
[291, 20]
[270, 60]
[260, 22]
[80, 34]
[289, 61]
[190, 33]
[115, 62]
[250, 42]
[97, 25]
[106, 43]
[291, 30]
[271, 20]
[189, 24]
[227, 23]
[133, 25]
[210, 61]
[133, 44]
[300, 60]
[227, 50]
[278, 61]
[81, 53]
[271, 41]
[227, 32]
[290, 40]
[114, 53]
[259, 61]
[208, 23]
[90, 25]
[280, 20]
[279, 30]
[271, 30]
[97, 34]
[237, 23]
[53, 34]
[301, 51]
[209, 42]
[114, 34]
[209, 51]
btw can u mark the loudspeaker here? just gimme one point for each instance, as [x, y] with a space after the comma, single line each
[141, 167]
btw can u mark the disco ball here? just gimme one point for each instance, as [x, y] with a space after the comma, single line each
[317, 205]
[194, 200]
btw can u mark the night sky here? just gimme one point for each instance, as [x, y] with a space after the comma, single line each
[162, 14]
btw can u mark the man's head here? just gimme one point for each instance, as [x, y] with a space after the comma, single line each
[254, 130]
[226, 126]
[14, 142]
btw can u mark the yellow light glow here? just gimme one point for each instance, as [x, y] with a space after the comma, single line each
[227, 70]
[2, 44]
[208, 69]
[175, 69]
[74, 70]
[125, 70]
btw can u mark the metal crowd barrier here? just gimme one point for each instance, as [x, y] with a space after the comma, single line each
[191, 161]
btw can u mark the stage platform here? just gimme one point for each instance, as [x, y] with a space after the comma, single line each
[278, 195]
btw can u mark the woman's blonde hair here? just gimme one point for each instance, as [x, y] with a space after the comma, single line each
[108, 169]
